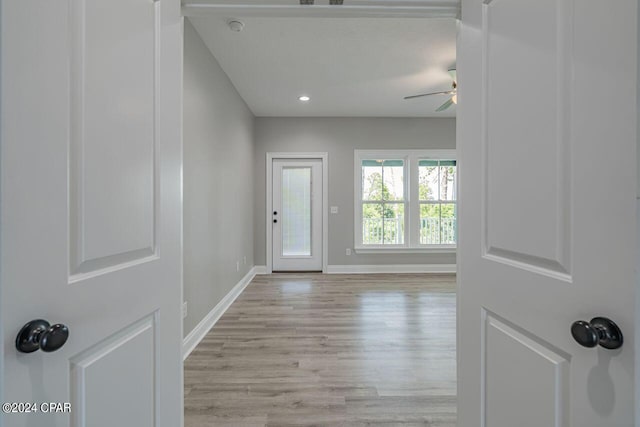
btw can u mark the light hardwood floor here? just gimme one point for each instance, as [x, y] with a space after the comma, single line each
[329, 350]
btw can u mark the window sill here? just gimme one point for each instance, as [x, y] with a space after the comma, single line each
[438, 250]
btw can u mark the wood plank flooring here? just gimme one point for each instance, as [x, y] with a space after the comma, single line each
[329, 350]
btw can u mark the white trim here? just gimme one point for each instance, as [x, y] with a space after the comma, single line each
[403, 250]
[391, 268]
[422, 153]
[321, 11]
[198, 333]
[271, 156]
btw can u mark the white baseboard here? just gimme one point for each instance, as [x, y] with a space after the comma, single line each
[198, 333]
[391, 268]
[261, 269]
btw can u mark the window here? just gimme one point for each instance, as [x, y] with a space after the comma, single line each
[383, 202]
[405, 200]
[437, 196]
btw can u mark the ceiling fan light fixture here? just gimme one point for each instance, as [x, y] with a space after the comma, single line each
[453, 100]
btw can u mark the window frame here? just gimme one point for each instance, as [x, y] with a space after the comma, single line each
[412, 201]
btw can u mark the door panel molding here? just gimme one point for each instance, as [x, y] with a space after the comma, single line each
[505, 349]
[112, 222]
[90, 369]
[516, 230]
[270, 157]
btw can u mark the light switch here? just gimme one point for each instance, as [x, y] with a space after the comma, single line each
[334, 209]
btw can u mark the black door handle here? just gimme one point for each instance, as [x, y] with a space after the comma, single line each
[600, 331]
[275, 221]
[40, 335]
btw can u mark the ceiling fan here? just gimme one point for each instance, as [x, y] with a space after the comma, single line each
[453, 92]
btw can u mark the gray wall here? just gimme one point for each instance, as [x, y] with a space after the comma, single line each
[339, 137]
[637, 337]
[218, 182]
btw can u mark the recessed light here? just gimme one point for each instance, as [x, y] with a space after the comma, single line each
[236, 25]
[304, 98]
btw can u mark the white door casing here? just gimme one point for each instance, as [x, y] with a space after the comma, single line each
[302, 179]
[91, 208]
[547, 156]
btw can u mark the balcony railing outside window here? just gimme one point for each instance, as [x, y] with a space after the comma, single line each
[433, 231]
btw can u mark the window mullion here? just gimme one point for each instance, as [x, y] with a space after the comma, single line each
[383, 201]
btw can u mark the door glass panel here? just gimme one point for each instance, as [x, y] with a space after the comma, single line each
[296, 211]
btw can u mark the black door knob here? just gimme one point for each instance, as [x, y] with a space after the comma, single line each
[600, 331]
[275, 212]
[40, 335]
[275, 221]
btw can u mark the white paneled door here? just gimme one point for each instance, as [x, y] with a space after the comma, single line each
[547, 216]
[297, 215]
[91, 212]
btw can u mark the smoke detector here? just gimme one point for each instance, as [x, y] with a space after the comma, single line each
[236, 25]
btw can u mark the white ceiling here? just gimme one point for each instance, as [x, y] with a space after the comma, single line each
[348, 66]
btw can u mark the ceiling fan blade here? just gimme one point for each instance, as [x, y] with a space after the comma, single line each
[446, 105]
[446, 92]
[454, 74]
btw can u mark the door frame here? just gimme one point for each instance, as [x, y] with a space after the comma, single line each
[324, 158]
[283, 9]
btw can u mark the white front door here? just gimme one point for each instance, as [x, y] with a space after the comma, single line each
[297, 215]
[547, 216]
[91, 212]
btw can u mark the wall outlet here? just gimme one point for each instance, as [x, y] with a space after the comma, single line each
[348, 251]
[334, 209]
[244, 260]
[185, 308]
[237, 265]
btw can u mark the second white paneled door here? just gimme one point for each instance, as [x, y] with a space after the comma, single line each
[536, 285]
[297, 215]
